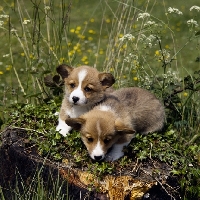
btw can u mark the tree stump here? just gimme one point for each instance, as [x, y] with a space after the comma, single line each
[17, 155]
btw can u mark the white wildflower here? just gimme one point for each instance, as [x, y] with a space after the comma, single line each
[6, 55]
[26, 21]
[174, 10]
[143, 15]
[149, 23]
[192, 22]
[131, 57]
[47, 8]
[127, 37]
[147, 41]
[1, 23]
[142, 37]
[195, 8]
[13, 30]
[4, 16]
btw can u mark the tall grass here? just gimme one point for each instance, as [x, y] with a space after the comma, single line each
[36, 187]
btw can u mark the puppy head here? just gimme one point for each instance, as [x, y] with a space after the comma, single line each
[85, 85]
[100, 130]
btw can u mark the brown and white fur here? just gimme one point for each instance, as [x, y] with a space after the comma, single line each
[110, 126]
[84, 87]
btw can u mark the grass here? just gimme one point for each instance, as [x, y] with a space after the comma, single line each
[158, 51]
[36, 189]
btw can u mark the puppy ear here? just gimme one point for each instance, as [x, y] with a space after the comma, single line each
[64, 70]
[121, 128]
[75, 123]
[106, 79]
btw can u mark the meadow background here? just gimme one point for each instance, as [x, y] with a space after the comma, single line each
[146, 43]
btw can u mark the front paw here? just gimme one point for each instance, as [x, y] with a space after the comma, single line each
[63, 129]
[112, 156]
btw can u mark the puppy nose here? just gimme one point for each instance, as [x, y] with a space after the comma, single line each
[98, 157]
[75, 99]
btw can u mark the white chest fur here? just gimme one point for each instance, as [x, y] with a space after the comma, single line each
[76, 111]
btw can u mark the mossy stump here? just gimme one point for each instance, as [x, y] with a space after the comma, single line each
[17, 156]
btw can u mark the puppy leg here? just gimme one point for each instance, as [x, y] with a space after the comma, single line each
[62, 127]
[116, 152]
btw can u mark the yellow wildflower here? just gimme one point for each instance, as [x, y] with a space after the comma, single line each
[111, 69]
[76, 31]
[91, 31]
[134, 26]
[61, 60]
[167, 46]
[101, 52]
[157, 53]
[135, 78]
[124, 46]
[72, 30]
[92, 20]
[90, 38]
[185, 94]
[1, 72]
[108, 20]
[81, 36]
[31, 56]
[75, 48]
[84, 58]
[22, 54]
[8, 67]
[70, 53]
[121, 35]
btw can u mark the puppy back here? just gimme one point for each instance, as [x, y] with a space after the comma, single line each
[138, 108]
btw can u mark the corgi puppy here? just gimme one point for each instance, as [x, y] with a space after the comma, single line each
[111, 125]
[84, 87]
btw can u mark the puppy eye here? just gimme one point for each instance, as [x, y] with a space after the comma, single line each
[72, 85]
[87, 89]
[90, 139]
[106, 141]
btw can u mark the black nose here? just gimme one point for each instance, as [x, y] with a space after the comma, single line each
[75, 99]
[97, 157]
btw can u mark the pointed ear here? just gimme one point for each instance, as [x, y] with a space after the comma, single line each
[121, 128]
[64, 70]
[106, 79]
[75, 123]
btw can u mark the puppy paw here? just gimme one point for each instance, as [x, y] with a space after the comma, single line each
[116, 152]
[63, 128]
[113, 156]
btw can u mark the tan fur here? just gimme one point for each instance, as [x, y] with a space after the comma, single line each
[93, 87]
[123, 113]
